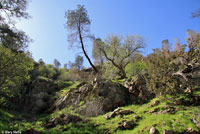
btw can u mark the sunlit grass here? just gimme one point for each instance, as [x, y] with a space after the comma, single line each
[180, 121]
[63, 92]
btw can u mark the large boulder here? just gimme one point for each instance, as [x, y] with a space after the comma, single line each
[94, 99]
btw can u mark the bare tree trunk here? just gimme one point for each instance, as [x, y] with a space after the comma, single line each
[82, 45]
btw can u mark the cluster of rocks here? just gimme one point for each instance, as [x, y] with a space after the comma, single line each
[125, 125]
[138, 90]
[165, 109]
[93, 99]
[119, 112]
[89, 99]
[62, 120]
[153, 130]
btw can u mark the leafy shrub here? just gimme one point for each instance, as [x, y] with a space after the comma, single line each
[136, 68]
[14, 71]
[159, 78]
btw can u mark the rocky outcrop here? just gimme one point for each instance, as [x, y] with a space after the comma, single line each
[94, 99]
[138, 90]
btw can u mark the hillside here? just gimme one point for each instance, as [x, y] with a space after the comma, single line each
[109, 84]
[175, 113]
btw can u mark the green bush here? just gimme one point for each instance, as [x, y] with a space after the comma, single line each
[136, 68]
[14, 71]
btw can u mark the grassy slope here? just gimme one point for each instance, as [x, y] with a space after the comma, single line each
[179, 121]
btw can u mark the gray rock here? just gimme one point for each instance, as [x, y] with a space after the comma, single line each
[102, 97]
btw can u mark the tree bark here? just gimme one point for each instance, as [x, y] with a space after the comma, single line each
[83, 48]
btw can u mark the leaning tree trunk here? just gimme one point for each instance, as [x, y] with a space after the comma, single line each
[83, 48]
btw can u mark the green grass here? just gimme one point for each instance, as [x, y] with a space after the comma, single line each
[179, 121]
[63, 92]
[197, 91]
[5, 118]
[11, 121]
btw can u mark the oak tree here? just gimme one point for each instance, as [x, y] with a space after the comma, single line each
[119, 50]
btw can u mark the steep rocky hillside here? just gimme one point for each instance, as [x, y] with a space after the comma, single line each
[93, 108]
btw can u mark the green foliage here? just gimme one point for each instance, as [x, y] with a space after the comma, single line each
[163, 64]
[48, 71]
[78, 18]
[13, 9]
[96, 53]
[136, 68]
[13, 39]
[109, 71]
[119, 51]
[15, 63]
[10, 37]
[5, 118]
[78, 23]
[160, 71]
[14, 69]
[69, 75]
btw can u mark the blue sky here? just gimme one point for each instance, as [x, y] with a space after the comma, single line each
[155, 20]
